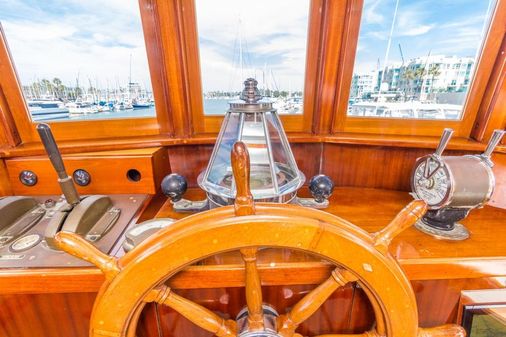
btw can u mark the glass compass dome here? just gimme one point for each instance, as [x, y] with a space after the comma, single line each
[274, 174]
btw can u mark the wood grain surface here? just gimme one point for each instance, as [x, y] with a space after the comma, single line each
[109, 172]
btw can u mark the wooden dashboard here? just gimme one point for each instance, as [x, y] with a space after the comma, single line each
[438, 271]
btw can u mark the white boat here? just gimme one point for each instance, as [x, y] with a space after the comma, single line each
[82, 108]
[141, 104]
[44, 110]
[291, 105]
[123, 106]
[413, 109]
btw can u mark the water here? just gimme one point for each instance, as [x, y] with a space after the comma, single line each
[132, 113]
[211, 107]
[216, 106]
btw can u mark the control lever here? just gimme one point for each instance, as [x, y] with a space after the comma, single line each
[92, 217]
[443, 142]
[65, 181]
[492, 144]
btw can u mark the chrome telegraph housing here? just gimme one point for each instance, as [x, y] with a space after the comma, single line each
[452, 186]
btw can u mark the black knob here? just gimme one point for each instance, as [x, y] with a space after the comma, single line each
[321, 187]
[174, 186]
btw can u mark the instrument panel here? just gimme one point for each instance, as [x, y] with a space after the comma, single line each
[30, 247]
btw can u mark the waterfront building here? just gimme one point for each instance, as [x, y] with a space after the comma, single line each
[437, 78]
[364, 84]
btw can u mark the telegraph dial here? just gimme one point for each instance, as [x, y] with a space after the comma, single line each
[432, 182]
[452, 186]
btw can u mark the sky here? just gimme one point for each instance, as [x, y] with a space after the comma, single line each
[94, 39]
[273, 35]
[438, 27]
[90, 39]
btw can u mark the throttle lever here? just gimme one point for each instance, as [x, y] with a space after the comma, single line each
[492, 144]
[65, 181]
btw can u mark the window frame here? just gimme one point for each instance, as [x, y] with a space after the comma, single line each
[490, 50]
[21, 129]
[303, 123]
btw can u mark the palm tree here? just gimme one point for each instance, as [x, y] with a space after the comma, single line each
[48, 86]
[434, 72]
[409, 76]
[59, 87]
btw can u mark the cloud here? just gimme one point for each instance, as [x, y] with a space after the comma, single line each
[413, 20]
[414, 31]
[66, 39]
[273, 41]
[371, 13]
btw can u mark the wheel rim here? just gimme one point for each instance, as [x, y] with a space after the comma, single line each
[214, 232]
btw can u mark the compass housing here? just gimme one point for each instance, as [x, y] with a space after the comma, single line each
[274, 175]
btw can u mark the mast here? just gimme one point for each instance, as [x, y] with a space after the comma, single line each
[130, 72]
[387, 52]
[241, 64]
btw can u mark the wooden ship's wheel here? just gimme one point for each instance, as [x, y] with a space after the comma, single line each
[139, 277]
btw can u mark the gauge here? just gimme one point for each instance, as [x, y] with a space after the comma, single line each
[25, 242]
[431, 182]
[81, 177]
[28, 178]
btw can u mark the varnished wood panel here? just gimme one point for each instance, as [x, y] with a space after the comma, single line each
[108, 172]
[438, 300]
[9, 135]
[137, 142]
[491, 113]
[149, 322]
[45, 315]
[5, 184]
[372, 166]
[361, 315]
[499, 196]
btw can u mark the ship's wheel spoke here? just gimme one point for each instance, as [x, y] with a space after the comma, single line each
[312, 301]
[253, 289]
[199, 315]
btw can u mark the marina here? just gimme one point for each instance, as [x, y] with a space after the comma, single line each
[81, 111]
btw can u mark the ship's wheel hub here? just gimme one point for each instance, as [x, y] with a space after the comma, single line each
[270, 316]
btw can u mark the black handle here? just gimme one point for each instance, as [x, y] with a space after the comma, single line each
[174, 186]
[66, 183]
[46, 136]
[321, 187]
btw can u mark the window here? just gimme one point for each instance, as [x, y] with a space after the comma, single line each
[79, 60]
[241, 39]
[419, 40]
